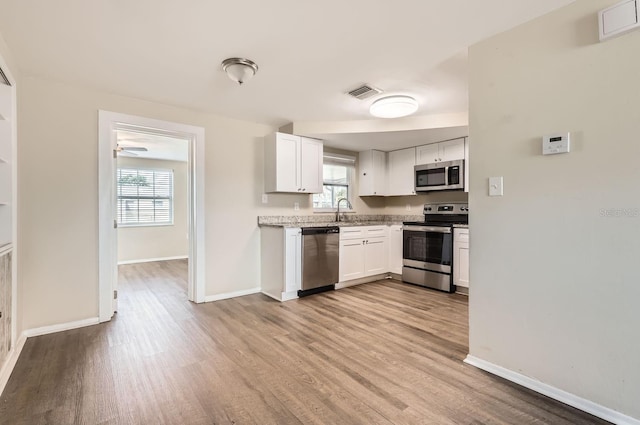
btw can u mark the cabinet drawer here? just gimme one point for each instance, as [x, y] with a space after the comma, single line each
[461, 235]
[351, 233]
[373, 231]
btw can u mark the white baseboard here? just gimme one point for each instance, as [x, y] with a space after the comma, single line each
[61, 327]
[11, 361]
[553, 392]
[150, 260]
[211, 298]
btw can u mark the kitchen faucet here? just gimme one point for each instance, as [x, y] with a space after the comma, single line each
[338, 210]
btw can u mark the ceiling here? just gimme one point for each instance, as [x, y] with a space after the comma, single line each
[309, 53]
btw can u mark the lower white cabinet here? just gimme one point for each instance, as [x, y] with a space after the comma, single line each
[395, 248]
[461, 257]
[363, 252]
[281, 262]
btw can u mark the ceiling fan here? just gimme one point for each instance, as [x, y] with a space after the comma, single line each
[130, 150]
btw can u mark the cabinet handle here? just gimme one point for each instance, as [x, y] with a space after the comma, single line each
[364, 174]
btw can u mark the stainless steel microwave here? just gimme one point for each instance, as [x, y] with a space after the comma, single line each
[440, 176]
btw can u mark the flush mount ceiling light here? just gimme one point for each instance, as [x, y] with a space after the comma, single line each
[394, 106]
[239, 69]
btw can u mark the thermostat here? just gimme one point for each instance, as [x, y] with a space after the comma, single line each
[556, 143]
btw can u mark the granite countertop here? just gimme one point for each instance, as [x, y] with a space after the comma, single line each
[328, 220]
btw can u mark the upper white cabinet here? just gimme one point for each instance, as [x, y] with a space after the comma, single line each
[440, 152]
[400, 174]
[373, 173]
[292, 164]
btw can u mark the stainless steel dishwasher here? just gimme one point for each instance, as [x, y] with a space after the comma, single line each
[320, 249]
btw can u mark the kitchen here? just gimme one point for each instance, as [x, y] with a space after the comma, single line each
[360, 248]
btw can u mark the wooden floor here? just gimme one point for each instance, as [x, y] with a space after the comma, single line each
[380, 353]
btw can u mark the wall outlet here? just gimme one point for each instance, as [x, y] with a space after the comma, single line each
[265, 198]
[408, 207]
[296, 206]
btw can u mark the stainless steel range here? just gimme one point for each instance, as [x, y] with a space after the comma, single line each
[427, 253]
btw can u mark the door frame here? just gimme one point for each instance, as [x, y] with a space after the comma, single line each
[108, 123]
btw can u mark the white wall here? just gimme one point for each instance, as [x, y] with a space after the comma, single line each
[555, 282]
[149, 242]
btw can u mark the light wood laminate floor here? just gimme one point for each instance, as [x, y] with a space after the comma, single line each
[379, 353]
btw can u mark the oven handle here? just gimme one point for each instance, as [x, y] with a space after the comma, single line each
[431, 229]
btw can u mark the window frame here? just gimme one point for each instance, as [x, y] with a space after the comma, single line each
[349, 162]
[171, 199]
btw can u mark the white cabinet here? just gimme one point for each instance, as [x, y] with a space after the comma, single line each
[292, 164]
[461, 257]
[400, 174]
[7, 131]
[281, 262]
[440, 152]
[363, 252]
[466, 165]
[395, 248]
[372, 167]
[351, 259]
[376, 255]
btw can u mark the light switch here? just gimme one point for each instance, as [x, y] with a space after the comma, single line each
[496, 186]
[265, 198]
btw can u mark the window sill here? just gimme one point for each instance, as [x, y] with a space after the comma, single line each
[127, 226]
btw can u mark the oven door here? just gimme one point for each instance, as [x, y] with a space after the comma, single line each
[427, 248]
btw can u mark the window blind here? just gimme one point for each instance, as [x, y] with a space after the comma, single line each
[145, 196]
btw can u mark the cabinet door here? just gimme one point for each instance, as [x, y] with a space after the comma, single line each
[287, 163]
[351, 259]
[372, 173]
[310, 165]
[400, 172]
[395, 249]
[376, 256]
[461, 267]
[461, 257]
[427, 154]
[451, 150]
[293, 260]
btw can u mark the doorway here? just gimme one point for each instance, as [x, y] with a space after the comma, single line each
[123, 135]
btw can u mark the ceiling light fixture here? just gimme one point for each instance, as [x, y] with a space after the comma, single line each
[394, 106]
[239, 69]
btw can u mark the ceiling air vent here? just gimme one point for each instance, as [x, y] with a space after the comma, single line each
[364, 92]
[3, 78]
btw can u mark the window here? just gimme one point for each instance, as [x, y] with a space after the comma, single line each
[145, 197]
[337, 175]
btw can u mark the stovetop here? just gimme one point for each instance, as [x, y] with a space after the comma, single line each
[443, 215]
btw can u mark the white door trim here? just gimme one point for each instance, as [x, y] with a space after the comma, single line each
[108, 122]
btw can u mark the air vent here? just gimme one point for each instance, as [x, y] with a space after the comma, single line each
[364, 92]
[3, 78]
